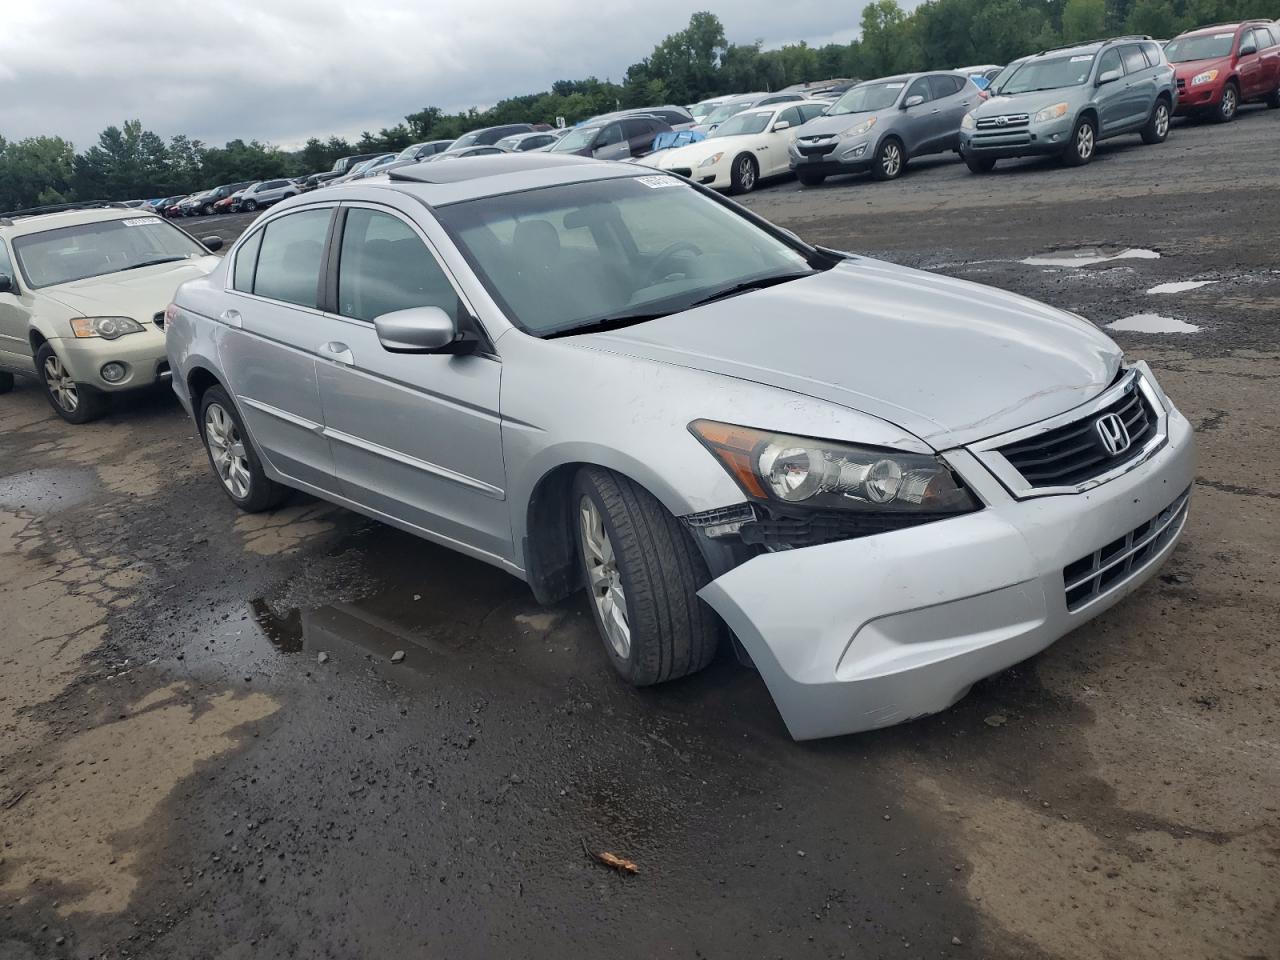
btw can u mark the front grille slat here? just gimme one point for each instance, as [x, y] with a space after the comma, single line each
[1073, 453]
[1097, 573]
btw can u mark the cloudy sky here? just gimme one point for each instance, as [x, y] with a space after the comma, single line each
[284, 70]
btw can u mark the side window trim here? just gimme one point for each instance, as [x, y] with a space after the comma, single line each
[254, 238]
[229, 285]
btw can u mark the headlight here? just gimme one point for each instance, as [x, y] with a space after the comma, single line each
[861, 128]
[968, 123]
[712, 160]
[1207, 77]
[828, 475]
[108, 328]
[1050, 113]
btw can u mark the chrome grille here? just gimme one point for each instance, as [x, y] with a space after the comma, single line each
[1074, 453]
[1102, 571]
[1011, 120]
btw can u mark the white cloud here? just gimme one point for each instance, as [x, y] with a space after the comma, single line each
[283, 70]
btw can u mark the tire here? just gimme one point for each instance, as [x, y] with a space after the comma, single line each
[647, 566]
[1156, 129]
[249, 206]
[73, 402]
[1229, 105]
[811, 179]
[232, 456]
[1273, 98]
[979, 164]
[6, 382]
[744, 174]
[1083, 144]
[206, 210]
[890, 161]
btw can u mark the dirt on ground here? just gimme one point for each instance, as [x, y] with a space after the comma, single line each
[206, 751]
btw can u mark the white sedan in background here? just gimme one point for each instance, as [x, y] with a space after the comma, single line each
[743, 150]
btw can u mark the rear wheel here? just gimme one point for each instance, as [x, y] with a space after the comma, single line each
[979, 164]
[643, 573]
[1157, 126]
[891, 160]
[812, 179]
[1226, 111]
[250, 206]
[206, 210]
[1273, 98]
[1084, 142]
[232, 456]
[6, 382]
[73, 402]
[745, 174]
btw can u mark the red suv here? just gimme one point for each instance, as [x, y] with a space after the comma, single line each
[1220, 67]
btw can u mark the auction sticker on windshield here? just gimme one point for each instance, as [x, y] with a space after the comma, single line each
[1081, 59]
[139, 221]
[656, 182]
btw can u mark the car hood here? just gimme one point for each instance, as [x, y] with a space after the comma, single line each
[1189, 68]
[139, 294]
[951, 361]
[1029, 103]
[692, 154]
[830, 126]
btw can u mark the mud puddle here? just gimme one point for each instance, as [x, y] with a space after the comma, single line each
[1179, 286]
[46, 491]
[1152, 323]
[1089, 256]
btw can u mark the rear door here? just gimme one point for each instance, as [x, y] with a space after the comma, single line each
[772, 154]
[15, 310]
[639, 134]
[416, 437]
[1250, 67]
[271, 330]
[952, 101]
[1269, 52]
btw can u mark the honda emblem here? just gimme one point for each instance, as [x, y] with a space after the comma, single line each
[1112, 433]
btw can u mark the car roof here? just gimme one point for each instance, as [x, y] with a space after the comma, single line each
[22, 224]
[473, 178]
[1220, 27]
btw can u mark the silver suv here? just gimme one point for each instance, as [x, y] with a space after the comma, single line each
[1062, 102]
[266, 193]
[598, 376]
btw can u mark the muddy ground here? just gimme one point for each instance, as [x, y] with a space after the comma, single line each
[180, 777]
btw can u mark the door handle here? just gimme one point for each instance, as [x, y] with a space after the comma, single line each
[231, 318]
[338, 352]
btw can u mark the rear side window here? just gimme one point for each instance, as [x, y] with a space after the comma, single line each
[1133, 59]
[290, 257]
[385, 267]
[246, 263]
[6, 265]
[1268, 34]
[1155, 55]
[944, 86]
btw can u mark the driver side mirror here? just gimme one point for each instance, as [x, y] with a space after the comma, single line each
[914, 101]
[1248, 48]
[6, 284]
[782, 125]
[212, 243]
[421, 330]
[612, 151]
[1109, 76]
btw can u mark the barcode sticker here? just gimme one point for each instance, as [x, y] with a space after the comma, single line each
[139, 221]
[656, 182]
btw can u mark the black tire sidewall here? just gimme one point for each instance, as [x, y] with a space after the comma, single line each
[1149, 133]
[1072, 155]
[877, 169]
[979, 164]
[735, 182]
[92, 404]
[1228, 117]
[811, 179]
[6, 381]
[250, 206]
[583, 487]
[264, 493]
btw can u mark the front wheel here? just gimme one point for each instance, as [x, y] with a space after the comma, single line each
[812, 179]
[1084, 142]
[891, 160]
[249, 206]
[1156, 129]
[745, 174]
[206, 210]
[1226, 111]
[643, 573]
[233, 457]
[6, 382]
[979, 164]
[1273, 98]
[73, 402]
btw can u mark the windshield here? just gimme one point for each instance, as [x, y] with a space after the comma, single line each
[1208, 46]
[700, 110]
[571, 256]
[723, 112]
[409, 152]
[96, 249]
[579, 138]
[1033, 75]
[467, 139]
[743, 123]
[868, 97]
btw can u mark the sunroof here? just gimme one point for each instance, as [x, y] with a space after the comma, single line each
[469, 168]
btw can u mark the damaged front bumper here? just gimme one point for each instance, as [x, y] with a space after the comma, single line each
[874, 631]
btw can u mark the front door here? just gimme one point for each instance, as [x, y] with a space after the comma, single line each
[1112, 105]
[415, 436]
[919, 123]
[271, 329]
[15, 309]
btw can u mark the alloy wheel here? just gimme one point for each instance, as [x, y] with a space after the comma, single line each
[603, 578]
[1162, 120]
[1084, 141]
[61, 387]
[746, 174]
[226, 450]
[891, 162]
[1229, 103]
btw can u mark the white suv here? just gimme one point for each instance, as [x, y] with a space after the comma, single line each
[82, 299]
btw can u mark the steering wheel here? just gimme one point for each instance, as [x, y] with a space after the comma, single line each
[661, 269]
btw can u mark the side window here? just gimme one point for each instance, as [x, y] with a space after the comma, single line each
[609, 135]
[1266, 36]
[246, 263]
[6, 265]
[384, 267]
[636, 128]
[810, 110]
[290, 256]
[1155, 55]
[943, 86]
[1134, 61]
[1109, 61]
[791, 115]
[919, 89]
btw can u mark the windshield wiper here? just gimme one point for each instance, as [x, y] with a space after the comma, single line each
[151, 263]
[605, 324]
[746, 286]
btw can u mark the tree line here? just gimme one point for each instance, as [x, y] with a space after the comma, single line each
[130, 161]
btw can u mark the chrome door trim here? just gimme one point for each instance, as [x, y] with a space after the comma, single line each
[444, 473]
[285, 415]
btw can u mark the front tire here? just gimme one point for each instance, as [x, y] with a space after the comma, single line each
[643, 573]
[1226, 111]
[1273, 98]
[73, 402]
[1083, 145]
[891, 160]
[6, 382]
[979, 164]
[250, 206]
[1156, 129]
[231, 454]
[206, 210]
[811, 179]
[745, 174]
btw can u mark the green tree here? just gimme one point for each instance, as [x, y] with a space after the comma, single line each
[888, 45]
[35, 171]
[1083, 20]
[1155, 18]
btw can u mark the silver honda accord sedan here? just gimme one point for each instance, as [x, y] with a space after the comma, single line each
[880, 484]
